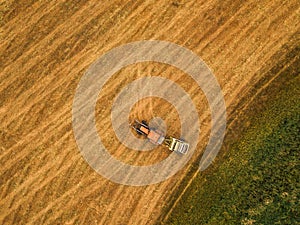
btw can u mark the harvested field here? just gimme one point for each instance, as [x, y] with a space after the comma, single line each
[46, 46]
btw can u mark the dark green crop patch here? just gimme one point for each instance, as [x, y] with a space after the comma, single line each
[257, 181]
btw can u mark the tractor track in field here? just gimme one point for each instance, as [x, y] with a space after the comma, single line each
[45, 49]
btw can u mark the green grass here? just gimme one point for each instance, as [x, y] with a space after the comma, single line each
[257, 181]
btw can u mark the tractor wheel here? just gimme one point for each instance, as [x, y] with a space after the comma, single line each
[139, 132]
[144, 122]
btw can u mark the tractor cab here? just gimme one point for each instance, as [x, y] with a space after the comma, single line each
[155, 136]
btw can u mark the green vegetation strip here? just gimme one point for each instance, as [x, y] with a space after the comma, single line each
[257, 181]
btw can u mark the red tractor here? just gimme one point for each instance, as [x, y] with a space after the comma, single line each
[156, 137]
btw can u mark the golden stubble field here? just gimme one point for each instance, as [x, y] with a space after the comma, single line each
[46, 46]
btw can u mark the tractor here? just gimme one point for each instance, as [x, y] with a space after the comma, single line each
[157, 137]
